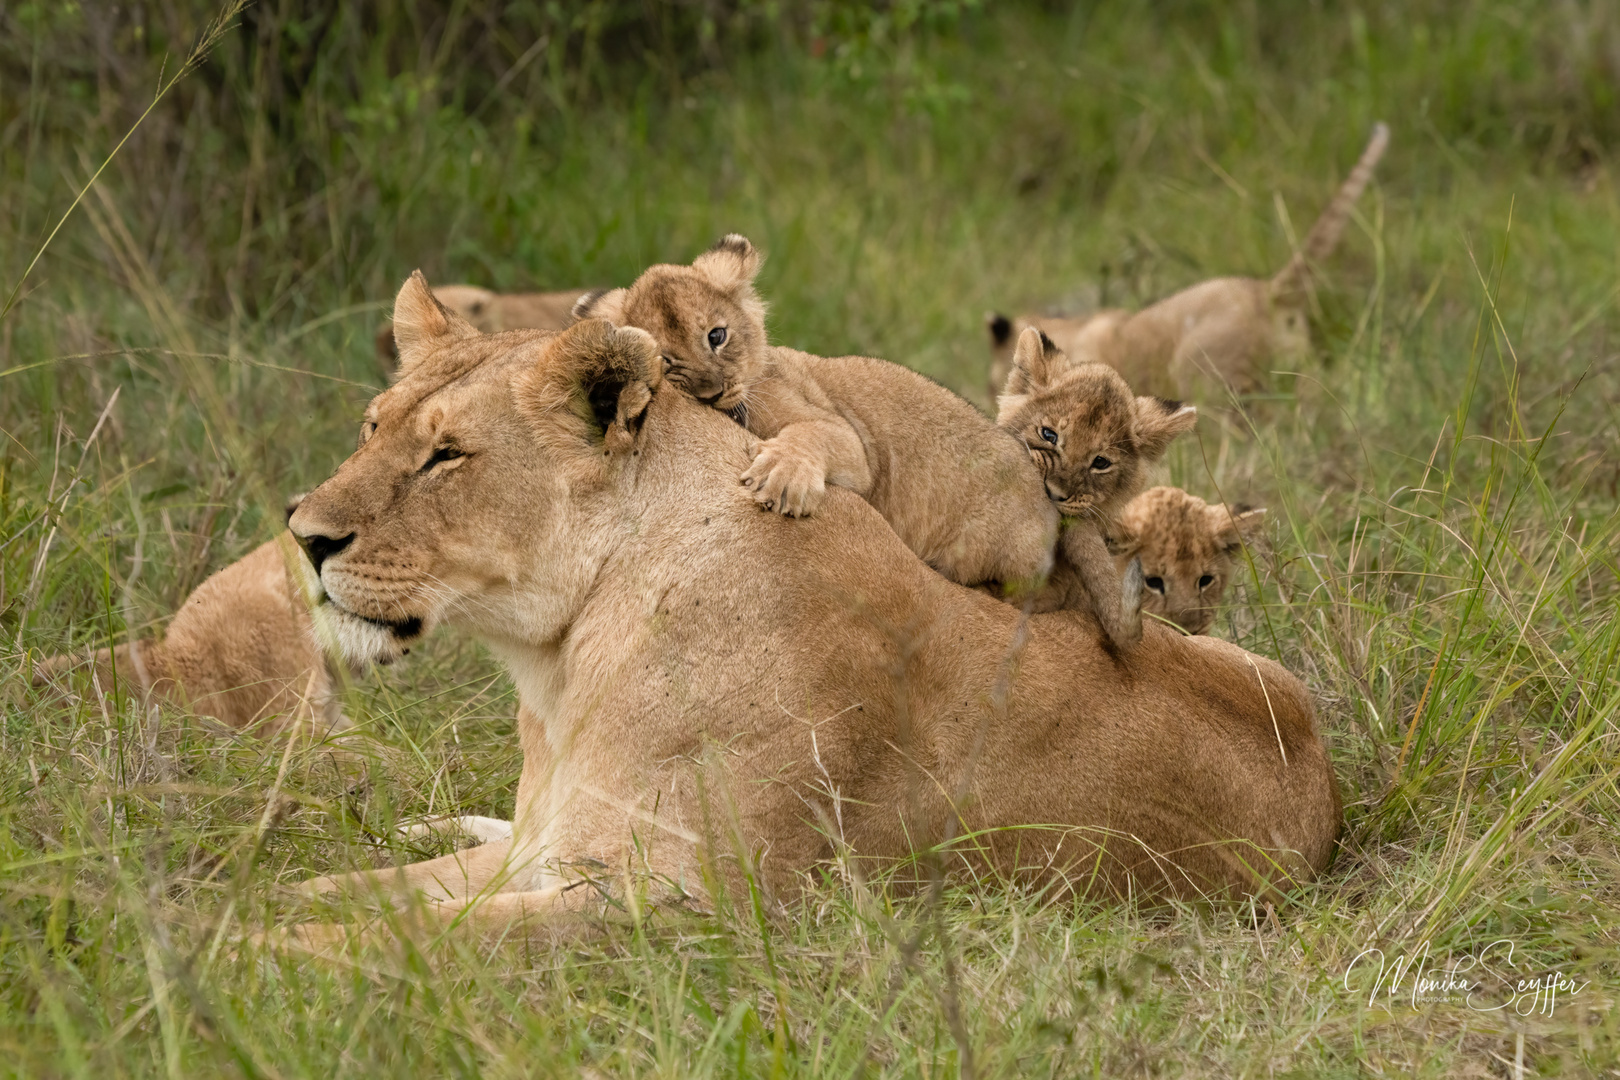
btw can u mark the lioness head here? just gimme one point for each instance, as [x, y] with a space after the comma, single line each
[476, 475]
[1188, 550]
[1088, 434]
[707, 319]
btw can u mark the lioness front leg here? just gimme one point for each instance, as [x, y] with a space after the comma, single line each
[565, 912]
[791, 472]
[450, 877]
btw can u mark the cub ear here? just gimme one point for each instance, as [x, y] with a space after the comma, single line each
[731, 264]
[1158, 421]
[1233, 527]
[599, 379]
[421, 322]
[1037, 362]
[601, 304]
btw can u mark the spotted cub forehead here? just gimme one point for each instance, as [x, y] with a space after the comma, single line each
[671, 300]
[1173, 526]
[1088, 399]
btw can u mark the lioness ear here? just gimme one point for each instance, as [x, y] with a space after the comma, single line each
[1232, 529]
[420, 322]
[1158, 421]
[731, 264]
[601, 304]
[598, 376]
[1037, 361]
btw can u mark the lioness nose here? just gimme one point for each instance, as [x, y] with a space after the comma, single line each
[318, 547]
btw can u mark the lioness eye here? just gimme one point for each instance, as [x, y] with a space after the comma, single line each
[1156, 584]
[441, 455]
[1206, 581]
[1049, 435]
[717, 337]
[366, 431]
[1101, 464]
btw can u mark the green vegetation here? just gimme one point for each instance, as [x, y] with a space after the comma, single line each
[195, 344]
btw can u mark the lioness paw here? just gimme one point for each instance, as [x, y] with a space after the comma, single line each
[786, 480]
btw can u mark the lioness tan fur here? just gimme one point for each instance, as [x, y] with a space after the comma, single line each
[492, 312]
[1218, 336]
[1092, 440]
[705, 687]
[1187, 550]
[241, 649]
[960, 493]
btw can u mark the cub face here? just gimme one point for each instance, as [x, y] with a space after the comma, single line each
[1188, 550]
[1088, 434]
[707, 319]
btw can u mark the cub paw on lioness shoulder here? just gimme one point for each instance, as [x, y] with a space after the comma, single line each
[787, 477]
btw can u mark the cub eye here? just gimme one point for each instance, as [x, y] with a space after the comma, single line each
[717, 337]
[1156, 584]
[1049, 435]
[367, 429]
[1206, 581]
[1101, 464]
[441, 455]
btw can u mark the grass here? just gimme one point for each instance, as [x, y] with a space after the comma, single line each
[194, 345]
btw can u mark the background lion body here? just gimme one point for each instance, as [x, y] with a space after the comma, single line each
[1216, 337]
[240, 649]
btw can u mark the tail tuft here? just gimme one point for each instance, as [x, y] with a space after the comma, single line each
[1324, 235]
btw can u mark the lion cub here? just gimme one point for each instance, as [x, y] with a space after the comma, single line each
[1219, 334]
[958, 491]
[1092, 439]
[1187, 549]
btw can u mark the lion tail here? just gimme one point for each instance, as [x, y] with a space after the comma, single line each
[1324, 235]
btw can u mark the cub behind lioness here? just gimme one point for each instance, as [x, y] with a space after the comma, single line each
[1218, 335]
[1092, 440]
[1187, 549]
[957, 491]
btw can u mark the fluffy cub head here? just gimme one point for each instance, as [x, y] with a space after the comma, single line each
[1188, 550]
[1088, 434]
[707, 319]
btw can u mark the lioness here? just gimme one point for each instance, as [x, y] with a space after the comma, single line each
[1219, 335]
[960, 493]
[1186, 549]
[492, 312]
[706, 689]
[1092, 439]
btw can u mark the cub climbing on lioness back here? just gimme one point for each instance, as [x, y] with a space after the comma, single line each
[1092, 439]
[1218, 336]
[1187, 549]
[957, 491]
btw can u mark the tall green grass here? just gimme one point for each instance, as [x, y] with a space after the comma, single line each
[195, 344]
